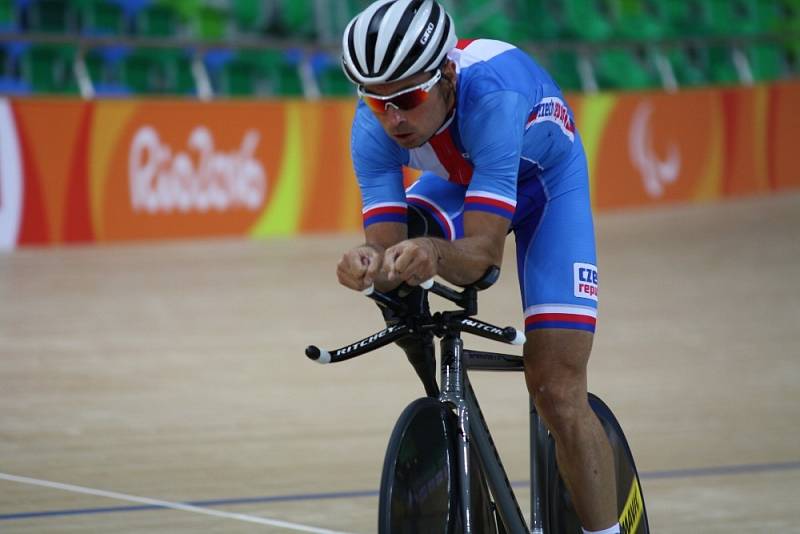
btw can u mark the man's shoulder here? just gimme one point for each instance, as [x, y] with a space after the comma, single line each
[487, 65]
[472, 51]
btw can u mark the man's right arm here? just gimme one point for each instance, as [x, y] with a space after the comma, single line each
[360, 267]
[377, 162]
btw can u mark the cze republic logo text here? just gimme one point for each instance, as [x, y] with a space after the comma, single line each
[585, 276]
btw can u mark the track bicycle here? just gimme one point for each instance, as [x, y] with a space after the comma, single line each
[442, 472]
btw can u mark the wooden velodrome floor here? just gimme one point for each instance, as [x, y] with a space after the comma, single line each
[163, 387]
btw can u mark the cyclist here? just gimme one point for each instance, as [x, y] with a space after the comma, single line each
[499, 152]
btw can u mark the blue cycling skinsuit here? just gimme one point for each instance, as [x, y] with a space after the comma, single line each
[511, 149]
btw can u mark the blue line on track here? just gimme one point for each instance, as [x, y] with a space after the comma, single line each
[650, 475]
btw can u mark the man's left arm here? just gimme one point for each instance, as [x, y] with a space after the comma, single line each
[460, 262]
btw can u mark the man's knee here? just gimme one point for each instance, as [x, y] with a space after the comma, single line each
[555, 373]
[560, 404]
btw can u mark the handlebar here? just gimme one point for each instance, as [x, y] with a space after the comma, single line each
[439, 324]
[427, 284]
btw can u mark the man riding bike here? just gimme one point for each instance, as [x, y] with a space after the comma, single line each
[499, 152]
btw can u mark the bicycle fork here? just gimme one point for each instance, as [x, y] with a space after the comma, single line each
[457, 392]
[452, 392]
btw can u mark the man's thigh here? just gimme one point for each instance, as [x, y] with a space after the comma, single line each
[556, 257]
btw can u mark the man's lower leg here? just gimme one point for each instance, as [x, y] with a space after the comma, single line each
[586, 464]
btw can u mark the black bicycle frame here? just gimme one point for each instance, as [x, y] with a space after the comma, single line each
[457, 392]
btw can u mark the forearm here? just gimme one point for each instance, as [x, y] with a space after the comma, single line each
[465, 260]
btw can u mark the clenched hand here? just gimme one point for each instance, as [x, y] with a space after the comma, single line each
[359, 267]
[412, 261]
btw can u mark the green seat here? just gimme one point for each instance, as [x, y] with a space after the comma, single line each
[791, 54]
[100, 17]
[720, 67]
[477, 18]
[204, 19]
[725, 18]
[105, 68]
[681, 18]
[159, 72]
[767, 61]
[634, 20]
[335, 83]
[586, 20]
[158, 19]
[332, 17]
[688, 64]
[695, 65]
[733, 17]
[185, 9]
[260, 73]
[211, 22]
[49, 69]
[251, 16]
[247, 74]
[330, 77]
[788, 17]
[563, 67]
[496, 26]
[238, 77]
[8, 19]
[528, 22]
[286, 75]
[621, 68]
[52, 16]
[768, 16]
[296, 18]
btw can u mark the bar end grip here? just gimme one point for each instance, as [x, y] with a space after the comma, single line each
[318, 355]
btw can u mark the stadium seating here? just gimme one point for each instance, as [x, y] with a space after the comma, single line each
[11, 79]
[586, 20]
[50, 69]
[159, 71]
[563, 66]
[99, 17]
[8, 20]
[250, 16]
[290, 47]
[51, 16]
[688, 65]
[248, 72]
[767, 61]
[155, 19]
[330, 78]
[105, 67]
[621, 68]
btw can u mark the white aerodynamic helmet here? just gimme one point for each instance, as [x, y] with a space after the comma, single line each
[395, 39]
